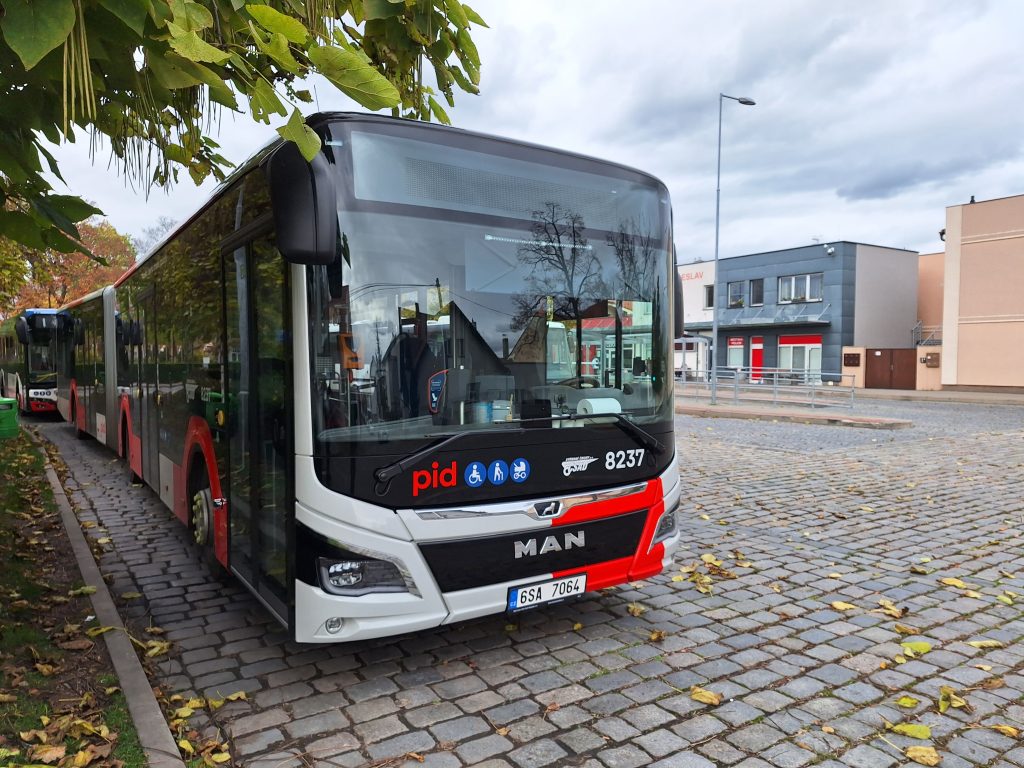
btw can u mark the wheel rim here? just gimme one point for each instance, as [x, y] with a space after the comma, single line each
[202, 517]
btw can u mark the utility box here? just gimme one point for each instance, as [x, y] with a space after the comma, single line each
[8, 417]
[931, 360]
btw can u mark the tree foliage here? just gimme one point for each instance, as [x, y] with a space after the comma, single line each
[149, 76]
[50, 278]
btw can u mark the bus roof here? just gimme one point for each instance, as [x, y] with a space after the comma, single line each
[323, 118]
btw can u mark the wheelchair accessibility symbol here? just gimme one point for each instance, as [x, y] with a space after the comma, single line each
[475, 474]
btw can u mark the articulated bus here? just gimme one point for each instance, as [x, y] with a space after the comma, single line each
[27, 363]
[424, 378]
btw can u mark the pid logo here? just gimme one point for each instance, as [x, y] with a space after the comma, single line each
[435, 477]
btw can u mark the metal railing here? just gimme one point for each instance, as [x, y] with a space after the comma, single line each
[927, 335]
[775, 386]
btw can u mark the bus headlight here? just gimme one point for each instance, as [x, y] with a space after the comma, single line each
[666, 525]
[359, 577]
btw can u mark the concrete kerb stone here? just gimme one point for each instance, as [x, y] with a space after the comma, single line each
[801, 417]
[154, 735]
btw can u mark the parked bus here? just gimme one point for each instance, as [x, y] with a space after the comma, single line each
[321, 374]
[27, 367]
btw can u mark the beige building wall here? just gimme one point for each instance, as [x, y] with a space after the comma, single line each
[853, 375]
[983, 321]
[928, 378]
[930, 270]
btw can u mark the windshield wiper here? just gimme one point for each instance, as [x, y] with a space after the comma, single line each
[626, 424]
[385, 475]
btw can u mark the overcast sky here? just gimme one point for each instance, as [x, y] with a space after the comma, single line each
[871, 117]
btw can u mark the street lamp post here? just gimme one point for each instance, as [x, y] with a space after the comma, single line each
[718, 195]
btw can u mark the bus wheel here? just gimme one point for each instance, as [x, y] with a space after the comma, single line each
[133, 478]
[201, 521]
[81, 434]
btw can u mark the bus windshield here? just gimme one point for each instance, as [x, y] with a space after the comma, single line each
[487, 290]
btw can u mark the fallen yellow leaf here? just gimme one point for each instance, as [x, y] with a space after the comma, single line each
[705, 696]
[985, 643]
[839, 605]
[923, 755]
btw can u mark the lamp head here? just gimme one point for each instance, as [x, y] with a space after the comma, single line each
[746, 102]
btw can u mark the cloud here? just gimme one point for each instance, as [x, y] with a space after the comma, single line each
[870, 117]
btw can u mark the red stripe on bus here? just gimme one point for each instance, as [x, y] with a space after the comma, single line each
[646, 562]
[198, 436]
[595, 510]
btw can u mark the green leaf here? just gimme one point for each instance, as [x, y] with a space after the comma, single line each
[304, 137]
[21, 228]
[913, 730]
[33, 28]
[438, 111]
[194, 48]
[473, 16]
[382, 9]
[263, 102]
[456, 13]
[907, 702]
[274, 21]
[467, 48]
[132, 12]
[354, 77]
[169, 73]
[304, 96]
[75, 208]
[277, 49]
[916, 648]
[220, 91]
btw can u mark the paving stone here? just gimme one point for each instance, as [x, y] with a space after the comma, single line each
[478, 750]
[627, 756]
[460, 729]
[864, 756]
[755, 738]
[537, 754]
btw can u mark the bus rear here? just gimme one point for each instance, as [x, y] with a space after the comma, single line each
[483, 382]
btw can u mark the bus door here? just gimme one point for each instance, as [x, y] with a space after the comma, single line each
[148, 391]
[258, 404]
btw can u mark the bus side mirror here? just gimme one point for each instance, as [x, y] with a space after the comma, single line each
[22, 330]
[678, 326]
[305, 206]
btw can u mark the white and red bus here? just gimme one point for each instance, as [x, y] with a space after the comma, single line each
[339, 375]
[27, 366]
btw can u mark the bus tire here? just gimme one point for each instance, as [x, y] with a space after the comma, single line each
[81, 434]
[126, 454]
[201, 517]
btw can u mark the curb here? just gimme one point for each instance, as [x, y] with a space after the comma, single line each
[725, 412]
[154, 735]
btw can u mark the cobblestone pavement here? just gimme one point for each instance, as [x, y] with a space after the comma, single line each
[804, 516]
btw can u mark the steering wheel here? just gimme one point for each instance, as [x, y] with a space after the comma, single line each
[581, 382]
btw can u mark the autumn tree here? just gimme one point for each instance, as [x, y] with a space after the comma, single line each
[149, 76]
[54, 278]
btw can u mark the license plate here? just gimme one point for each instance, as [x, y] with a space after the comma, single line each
[520, 598]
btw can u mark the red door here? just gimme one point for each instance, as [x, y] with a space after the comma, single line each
[756, 357]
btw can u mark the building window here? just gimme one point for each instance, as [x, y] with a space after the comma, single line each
[735, 293]
[797, 288]
[709, 296]
[757, 292]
